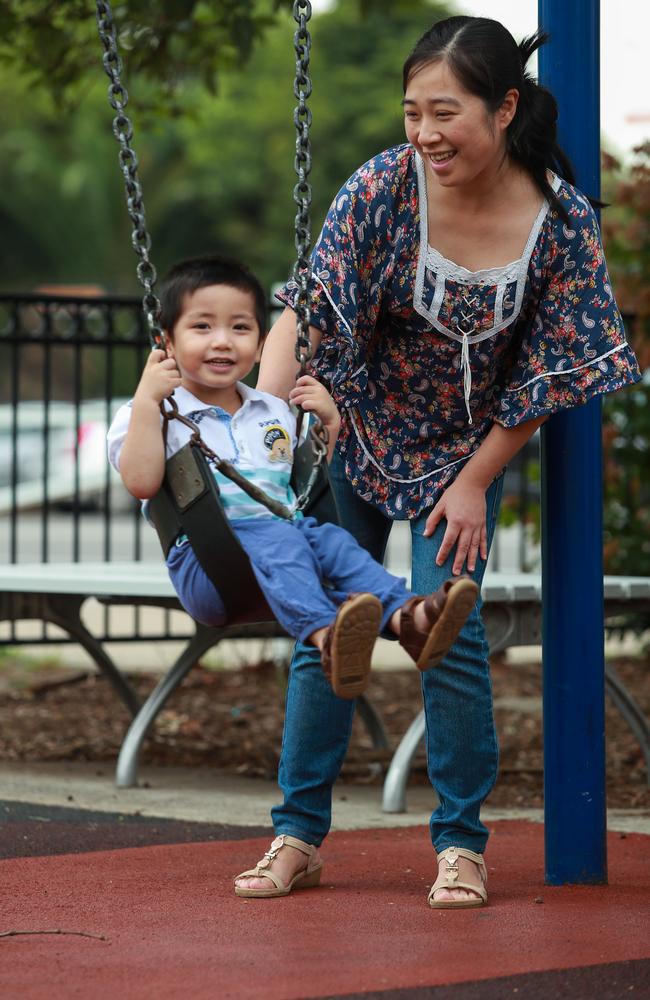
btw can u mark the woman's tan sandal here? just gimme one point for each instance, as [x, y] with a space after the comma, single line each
[349, 641]
[448, 878]
[447, 611]
[305, 879]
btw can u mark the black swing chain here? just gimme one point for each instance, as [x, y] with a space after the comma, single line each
[123, 132]
[141, 240]
[302, 119]
[302, 190]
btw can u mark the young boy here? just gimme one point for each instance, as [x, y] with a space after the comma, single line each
[214, 317]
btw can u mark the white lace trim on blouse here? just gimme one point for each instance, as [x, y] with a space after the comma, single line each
[488, 276]
[441, 269]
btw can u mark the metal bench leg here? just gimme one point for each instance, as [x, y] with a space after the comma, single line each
[394, 795]
[126, 774]
[373, 723]
[65, 611]
[630, 711]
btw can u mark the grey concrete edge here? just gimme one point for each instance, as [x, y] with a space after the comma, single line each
[201, 795]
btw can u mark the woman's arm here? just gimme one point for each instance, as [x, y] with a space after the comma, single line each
[278, 366]
[463, 504]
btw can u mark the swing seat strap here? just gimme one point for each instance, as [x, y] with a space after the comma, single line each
[188, 503]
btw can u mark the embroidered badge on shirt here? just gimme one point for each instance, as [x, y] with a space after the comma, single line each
[278, 444]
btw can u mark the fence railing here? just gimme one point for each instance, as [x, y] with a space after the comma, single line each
[66, 363]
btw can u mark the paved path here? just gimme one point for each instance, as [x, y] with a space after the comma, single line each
[200, 795]
[148, 872]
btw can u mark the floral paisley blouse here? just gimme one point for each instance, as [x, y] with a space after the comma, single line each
[422, 356]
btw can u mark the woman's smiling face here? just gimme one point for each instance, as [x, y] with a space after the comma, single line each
[459, 139]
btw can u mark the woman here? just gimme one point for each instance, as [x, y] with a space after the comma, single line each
[460, 298]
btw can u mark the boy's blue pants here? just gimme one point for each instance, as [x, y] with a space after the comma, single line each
[291, 560]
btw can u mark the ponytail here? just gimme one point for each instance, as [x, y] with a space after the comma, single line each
[532, 134]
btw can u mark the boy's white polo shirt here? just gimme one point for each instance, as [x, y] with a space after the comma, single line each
[259, 439]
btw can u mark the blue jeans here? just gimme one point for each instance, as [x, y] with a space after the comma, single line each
[461, 744]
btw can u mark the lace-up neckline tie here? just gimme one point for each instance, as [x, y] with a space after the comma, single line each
[467, 374]
[466, 330]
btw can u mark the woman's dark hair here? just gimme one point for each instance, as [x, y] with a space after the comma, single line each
[487, 61]
[189, 275]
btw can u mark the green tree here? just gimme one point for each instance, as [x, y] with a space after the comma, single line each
[626, 441]
[241, 167]
[220, 175]
[61, 201]
[55, 45]
[626, 436]
[626, 231]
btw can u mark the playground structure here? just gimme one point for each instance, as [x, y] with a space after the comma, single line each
[572, 515]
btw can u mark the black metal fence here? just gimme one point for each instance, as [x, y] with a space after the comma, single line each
[66, 364]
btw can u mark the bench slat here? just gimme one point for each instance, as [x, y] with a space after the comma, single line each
[132, 579]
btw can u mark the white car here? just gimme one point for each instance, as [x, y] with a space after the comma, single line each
[57, 454]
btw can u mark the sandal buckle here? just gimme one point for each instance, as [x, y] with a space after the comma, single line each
[451, 861]
[272, 852]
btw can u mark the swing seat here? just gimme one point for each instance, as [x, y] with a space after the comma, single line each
[189, 503]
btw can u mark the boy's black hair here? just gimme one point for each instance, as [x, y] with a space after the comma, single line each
[189, 275]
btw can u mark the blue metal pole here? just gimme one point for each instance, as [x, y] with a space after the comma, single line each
[572, 566]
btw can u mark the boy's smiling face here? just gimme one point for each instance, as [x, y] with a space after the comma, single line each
[216, 342]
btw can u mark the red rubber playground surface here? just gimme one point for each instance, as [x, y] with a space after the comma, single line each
[167, 924]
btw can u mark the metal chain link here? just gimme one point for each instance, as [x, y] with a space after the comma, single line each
[302, 119]
[123, 132]
[302, 190]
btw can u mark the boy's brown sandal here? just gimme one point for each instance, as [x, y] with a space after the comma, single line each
[448, 878]
[305, 879]
[349, 641]
[447, 610]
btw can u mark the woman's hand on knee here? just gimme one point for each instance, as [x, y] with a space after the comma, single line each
[464, 509]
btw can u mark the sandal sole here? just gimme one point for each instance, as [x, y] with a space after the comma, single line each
[466, 904]
[458, 606]
[357, 627]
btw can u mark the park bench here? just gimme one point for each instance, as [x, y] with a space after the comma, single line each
[57, 593]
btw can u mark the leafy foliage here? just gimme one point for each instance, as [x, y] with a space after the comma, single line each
[626, 439]
[219, 176]
[626, 229]
[626, 416]
[167, 43]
